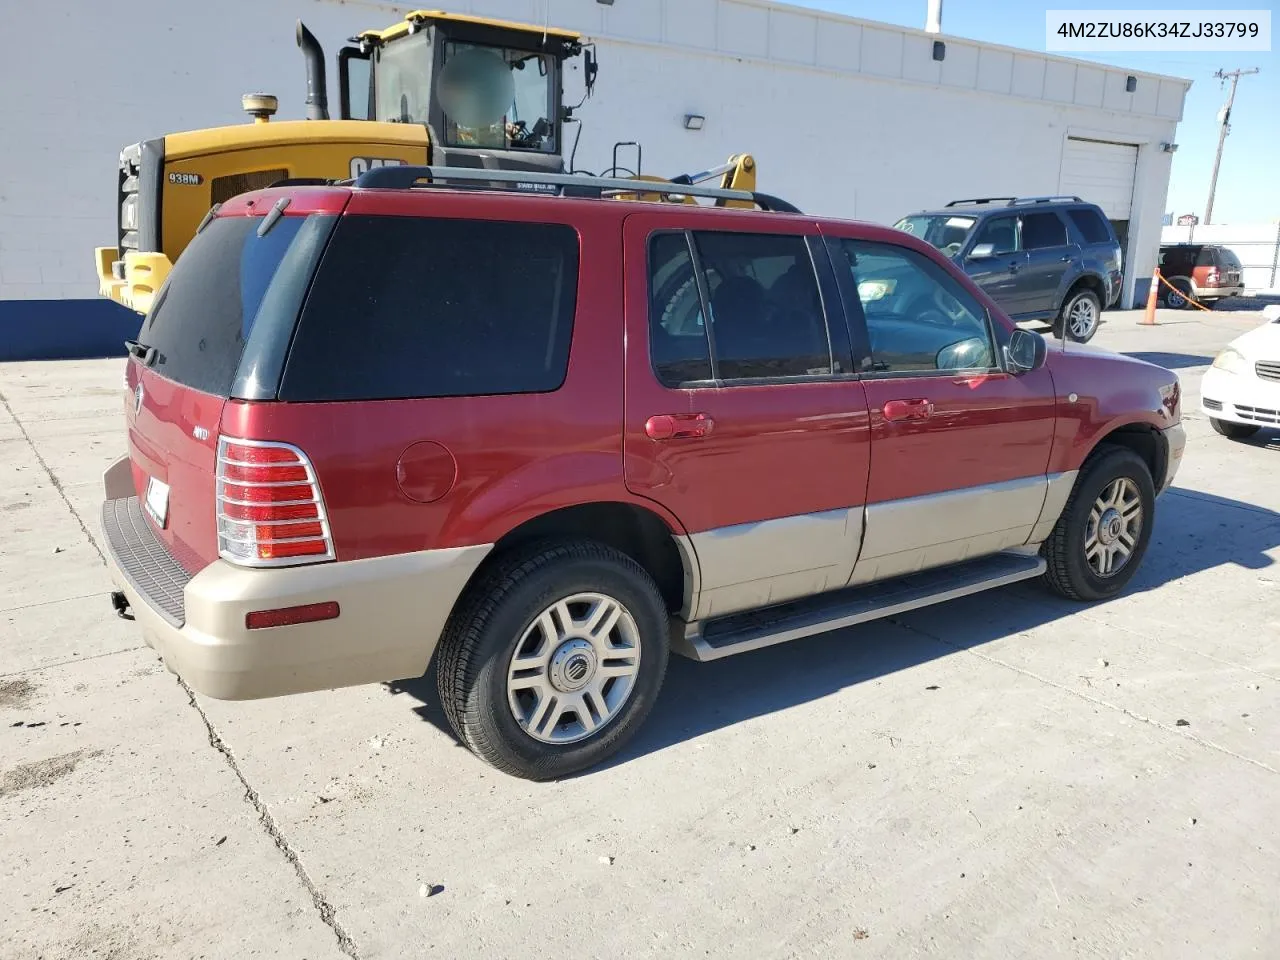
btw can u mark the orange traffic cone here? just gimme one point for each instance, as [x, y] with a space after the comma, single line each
[1149, 316]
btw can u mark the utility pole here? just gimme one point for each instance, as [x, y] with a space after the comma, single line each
[1224, 117]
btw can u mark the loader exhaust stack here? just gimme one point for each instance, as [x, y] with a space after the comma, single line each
[317, 88]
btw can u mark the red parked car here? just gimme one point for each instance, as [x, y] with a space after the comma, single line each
[548, 438]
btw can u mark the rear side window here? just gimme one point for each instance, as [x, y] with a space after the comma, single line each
[1041, 230]
[766, 313]
[1208, 257]
[1090, 225]
[1227, 258]
[203, 315]
[406, 307]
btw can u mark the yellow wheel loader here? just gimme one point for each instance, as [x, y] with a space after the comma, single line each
[438, 89]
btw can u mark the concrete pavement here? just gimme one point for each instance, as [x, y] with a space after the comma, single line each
[1005, 775]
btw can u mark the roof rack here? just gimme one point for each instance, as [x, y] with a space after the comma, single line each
[1059, 199]
[553, 184]
[1012, 201]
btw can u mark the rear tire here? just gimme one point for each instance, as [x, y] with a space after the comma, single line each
[1080, 316]
[519, 653]
[1180, 297]
[1099, 541]
[1233, 431]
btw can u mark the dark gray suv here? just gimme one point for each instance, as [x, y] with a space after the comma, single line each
[1050, 259]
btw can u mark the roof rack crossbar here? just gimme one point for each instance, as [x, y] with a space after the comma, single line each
[978, 201]
[1055, 199]
[404, 177]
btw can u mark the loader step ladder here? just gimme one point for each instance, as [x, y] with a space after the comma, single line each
[723, 637]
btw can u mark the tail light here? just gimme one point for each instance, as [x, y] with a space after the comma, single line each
[270, 509]
[1211, 277]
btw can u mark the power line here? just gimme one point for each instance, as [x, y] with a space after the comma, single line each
[1224, 118]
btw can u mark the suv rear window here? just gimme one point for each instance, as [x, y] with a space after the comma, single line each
[1090, 225]
[406, 307]
[203, 314]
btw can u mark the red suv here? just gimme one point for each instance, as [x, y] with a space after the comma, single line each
[549, 438]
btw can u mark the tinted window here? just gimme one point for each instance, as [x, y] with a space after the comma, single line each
[1001, 233]
[205, 310]
[1090, 226]
[677, 329]
[413, 307]
[1040, 230]
[1227, 258]
[918, 318]
[766, 314]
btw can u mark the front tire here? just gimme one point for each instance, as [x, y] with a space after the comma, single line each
[1099, 541]
[554, 659]
[1081, 313]
[1233, 431]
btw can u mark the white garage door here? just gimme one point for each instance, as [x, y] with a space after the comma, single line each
[1101, 173]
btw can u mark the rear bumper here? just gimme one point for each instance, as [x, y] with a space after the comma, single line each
[1219, 293]
[392, 611]
[1175, 439]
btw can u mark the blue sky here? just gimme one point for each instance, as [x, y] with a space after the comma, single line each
[1249, 183]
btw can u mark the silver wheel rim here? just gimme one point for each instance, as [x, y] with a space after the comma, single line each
[1082, 317]
[574, 668]
[1115, 523]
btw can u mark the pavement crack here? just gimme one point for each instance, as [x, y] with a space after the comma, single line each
[328, 913]
[53, 479]
[1096, 701]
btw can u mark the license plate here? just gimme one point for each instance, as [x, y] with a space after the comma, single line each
[157, 502]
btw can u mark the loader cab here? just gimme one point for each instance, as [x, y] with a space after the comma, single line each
[490, 93]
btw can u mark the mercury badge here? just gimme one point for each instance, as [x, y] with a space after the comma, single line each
[138, 394]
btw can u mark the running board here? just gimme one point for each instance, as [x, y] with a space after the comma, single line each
[723, 637]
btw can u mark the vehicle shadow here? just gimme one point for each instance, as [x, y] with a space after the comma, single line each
[1170, 361]
[1251, 304]
[1194, 532]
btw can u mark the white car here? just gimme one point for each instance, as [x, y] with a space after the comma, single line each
[1240, 393]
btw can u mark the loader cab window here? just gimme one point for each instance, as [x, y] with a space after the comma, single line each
[402, 93]
[497, 97]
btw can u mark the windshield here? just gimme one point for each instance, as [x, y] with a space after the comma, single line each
[944, 232]
[497, 97]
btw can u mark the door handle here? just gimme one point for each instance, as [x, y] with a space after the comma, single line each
[1066, 258]
[1013, 267]
[678, 426]
[900, 410]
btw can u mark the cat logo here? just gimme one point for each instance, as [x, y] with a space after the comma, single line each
[361, 165]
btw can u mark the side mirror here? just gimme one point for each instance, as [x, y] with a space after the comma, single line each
[983, 251]
[1025, 352]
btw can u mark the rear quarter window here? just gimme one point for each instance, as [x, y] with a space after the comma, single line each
[409, 307]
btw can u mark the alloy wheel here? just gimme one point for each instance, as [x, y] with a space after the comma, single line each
[1115, 522]
[574, 668]
[1082, 318]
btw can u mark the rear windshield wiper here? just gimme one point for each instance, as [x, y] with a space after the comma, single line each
[140, 350]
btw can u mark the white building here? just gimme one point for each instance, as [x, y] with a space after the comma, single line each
[845, 117]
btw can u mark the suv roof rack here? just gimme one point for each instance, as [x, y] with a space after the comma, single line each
[1059, 199]
[553, 184]
[1012, 201]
